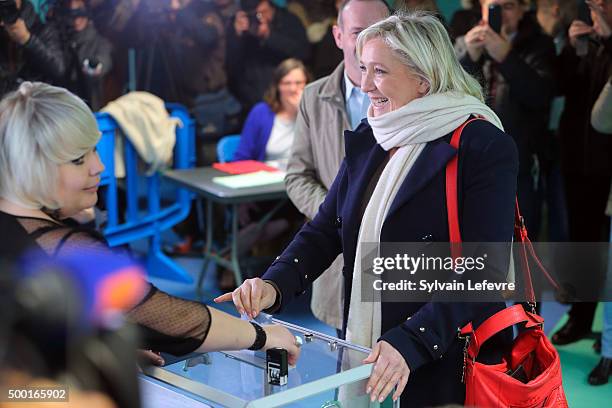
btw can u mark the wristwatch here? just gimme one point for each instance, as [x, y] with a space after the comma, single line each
[260, 337]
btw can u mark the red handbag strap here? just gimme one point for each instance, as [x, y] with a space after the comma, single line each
[452, 207]
[520, 231]
[520, 237]
[526, 248]
[511, 315]
[498, 322]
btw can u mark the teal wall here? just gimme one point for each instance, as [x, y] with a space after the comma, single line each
[448, 7]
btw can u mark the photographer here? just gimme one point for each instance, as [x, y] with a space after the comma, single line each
[196, 49]
[88, 53]
[262, 36]
[516, 63]
[29, 49]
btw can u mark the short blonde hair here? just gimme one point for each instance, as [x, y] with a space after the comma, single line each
[421, 42]
[41, 127]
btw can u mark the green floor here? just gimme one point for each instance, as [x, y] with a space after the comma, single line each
[577, 361]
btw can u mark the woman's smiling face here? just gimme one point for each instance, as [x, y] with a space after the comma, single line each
[389, 83]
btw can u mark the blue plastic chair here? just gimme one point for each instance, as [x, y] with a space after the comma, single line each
[149, 222]
[226, 148]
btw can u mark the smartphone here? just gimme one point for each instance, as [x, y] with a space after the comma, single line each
[584, 13]
[495, 17]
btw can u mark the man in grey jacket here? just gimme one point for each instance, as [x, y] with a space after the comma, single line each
[328, 107]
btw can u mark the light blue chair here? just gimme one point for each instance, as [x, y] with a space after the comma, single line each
[146, 222]
[226, 147]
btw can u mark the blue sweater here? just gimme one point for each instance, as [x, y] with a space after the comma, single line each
[255, 133]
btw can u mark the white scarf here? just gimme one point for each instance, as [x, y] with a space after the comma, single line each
[409, 128]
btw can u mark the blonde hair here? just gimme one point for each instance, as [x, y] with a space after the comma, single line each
[41, 127]
[421, 42]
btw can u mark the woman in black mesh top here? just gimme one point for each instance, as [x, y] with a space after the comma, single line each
[49, 173]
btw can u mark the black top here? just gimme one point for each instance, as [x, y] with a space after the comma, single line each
[168, 324]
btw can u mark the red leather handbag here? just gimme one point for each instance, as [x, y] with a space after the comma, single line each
[530, 373]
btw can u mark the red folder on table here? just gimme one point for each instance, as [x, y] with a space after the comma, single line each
[243, 167]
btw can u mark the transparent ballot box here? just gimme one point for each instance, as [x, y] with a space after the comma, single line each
[329, 373]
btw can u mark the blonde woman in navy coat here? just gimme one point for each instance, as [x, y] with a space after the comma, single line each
[391, 188]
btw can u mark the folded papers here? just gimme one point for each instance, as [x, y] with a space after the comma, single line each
[258, 178]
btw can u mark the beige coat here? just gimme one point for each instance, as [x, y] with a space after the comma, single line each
[145, 122]
[317, 152]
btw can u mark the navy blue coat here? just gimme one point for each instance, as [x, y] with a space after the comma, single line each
[488, 168]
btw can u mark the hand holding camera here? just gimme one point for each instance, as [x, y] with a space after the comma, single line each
[12, 23]
[484, 37]
[9, 12]
[578, 31]
[475, 40]
[591, 20]
[92, 67]
[18, 32]
[600, 25]
[241, 22]
[496, 45]
[252, 23]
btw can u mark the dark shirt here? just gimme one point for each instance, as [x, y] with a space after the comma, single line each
[584, 151]
[166, 323]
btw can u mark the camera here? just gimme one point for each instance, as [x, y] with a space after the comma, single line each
[9, 13]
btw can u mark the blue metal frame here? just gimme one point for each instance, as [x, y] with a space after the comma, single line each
[150, 223]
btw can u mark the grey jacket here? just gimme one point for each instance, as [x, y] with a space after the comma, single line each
[318, 150]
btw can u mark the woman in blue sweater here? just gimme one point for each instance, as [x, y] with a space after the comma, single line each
[267, 135]
[268, 132]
